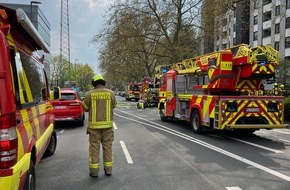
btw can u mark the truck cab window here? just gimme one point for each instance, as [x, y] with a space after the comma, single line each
[31, 79]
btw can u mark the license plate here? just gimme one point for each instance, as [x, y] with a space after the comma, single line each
[60, 107]
[251, 110]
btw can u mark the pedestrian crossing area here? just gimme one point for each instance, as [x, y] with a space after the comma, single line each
[126, 105]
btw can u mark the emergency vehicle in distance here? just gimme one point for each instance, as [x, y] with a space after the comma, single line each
[223, 91]
[132, 91]
[26, 117]
[148, 93]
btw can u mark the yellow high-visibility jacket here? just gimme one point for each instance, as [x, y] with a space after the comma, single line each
[100, 103]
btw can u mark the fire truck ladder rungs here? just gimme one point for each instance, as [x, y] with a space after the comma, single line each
[216, 114]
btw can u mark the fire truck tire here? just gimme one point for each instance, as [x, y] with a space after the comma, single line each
[30, 178]
[195, 122]
[50, 150]
[162, 115]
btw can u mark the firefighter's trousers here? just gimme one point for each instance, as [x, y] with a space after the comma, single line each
[96, 138]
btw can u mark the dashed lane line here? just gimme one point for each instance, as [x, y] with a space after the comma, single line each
[126, 152]
[114, 125]
[233, 188]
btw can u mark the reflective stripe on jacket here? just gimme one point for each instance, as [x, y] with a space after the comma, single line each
[100, 103]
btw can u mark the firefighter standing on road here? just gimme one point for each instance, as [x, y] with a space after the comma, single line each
[100, 103]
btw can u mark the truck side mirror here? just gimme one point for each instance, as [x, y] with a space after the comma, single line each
[55, 93]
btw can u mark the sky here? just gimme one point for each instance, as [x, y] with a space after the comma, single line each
[86, 19]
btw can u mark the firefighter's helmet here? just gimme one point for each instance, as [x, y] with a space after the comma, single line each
[282, 86]
[97, 77]
[275, 84]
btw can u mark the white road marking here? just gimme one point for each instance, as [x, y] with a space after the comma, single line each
[284, 131]
[115, 126]
[61, 131]
[233, 188]
[284, 140]
[256, 145]
[126, 152]
[202, 143]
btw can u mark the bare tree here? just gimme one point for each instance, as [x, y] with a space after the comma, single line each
[141, 34]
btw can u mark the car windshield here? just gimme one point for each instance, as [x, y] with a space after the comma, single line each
[68, 96]
[134, 88]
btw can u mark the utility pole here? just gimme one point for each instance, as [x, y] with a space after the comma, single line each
[64, 37]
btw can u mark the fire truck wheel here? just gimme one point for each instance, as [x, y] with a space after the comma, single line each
[30, 178]
[52, 146]
[195, 122]
[162, 115]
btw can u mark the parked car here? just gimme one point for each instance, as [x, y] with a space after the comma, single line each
[69, 107]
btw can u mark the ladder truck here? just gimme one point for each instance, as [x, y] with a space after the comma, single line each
[223, 90]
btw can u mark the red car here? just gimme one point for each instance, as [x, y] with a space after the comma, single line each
[69, 107]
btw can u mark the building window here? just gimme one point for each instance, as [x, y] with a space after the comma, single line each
[225, 22]
[234, 28]
[224, 46]
[224, 35]
[234, 41]
[287, 22]
[267, 16]
[255, 35]
[277, 46]
[287, 42]
[267, 32]
[288, 4]
[255, 20]
[265, 2]
[277, 28]
[277, 10]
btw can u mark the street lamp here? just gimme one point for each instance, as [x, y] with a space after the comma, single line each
[31, 3]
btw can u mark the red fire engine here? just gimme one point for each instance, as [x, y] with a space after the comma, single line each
[148, 93]
[223, 91]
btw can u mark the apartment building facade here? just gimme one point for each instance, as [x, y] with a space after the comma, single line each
[271, 25]
[256, 22]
